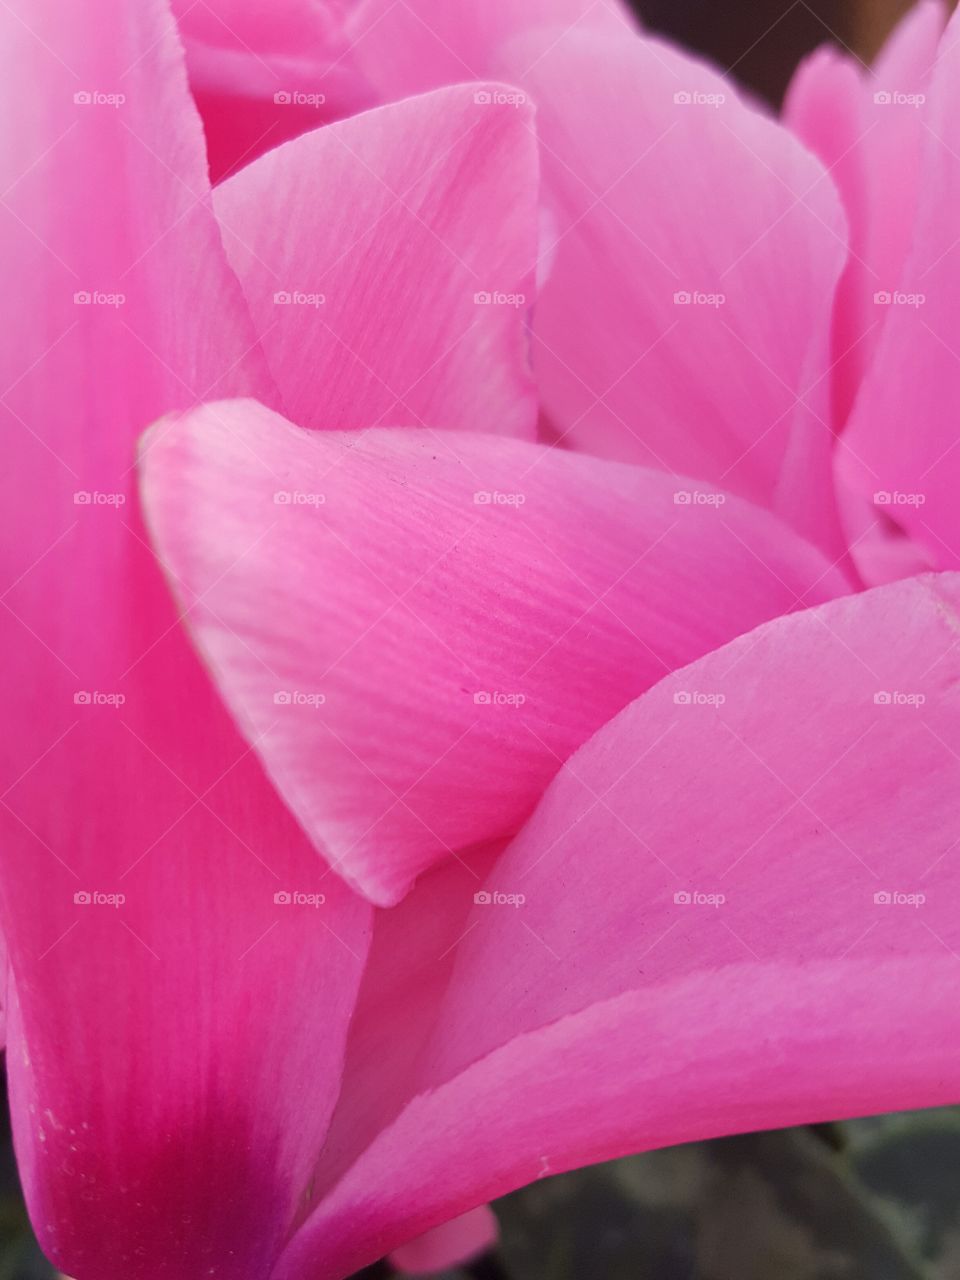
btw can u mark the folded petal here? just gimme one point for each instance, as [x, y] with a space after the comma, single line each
[426, 624]
[154, 1057]
[685, 320]
[866, 126]
[735, 908]
[388, 261]
[422, 44]
[261, 75]
[900, 448]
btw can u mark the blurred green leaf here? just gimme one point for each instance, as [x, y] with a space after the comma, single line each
[782, 1205]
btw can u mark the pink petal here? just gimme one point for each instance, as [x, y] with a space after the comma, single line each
[901, 445]
[424, 607]
[459, 1240]
[421, 44]
[388, 261]
[685, 320]
[263, 74]
[412, 953]
[866, 128]
[617, 1008]
[155, 1058]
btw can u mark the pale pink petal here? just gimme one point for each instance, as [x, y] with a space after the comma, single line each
[389, 264]
[158, 1048]
[421, 44]
[419, 632]
[867, 129]
[900, 449]
[879, 548]
[685, 320]
[261, 74]
[621, 1005]
[457, 1241]
[412, 953]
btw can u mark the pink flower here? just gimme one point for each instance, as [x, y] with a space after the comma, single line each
[546, 788]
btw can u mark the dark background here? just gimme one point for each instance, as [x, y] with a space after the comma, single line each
[761, 41]
[865, 1200]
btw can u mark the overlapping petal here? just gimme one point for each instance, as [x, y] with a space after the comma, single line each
[900, 448]
[412, 307]
[685, 320]
[157, 1048]
[422, 44]
[459, 1240]
[868, 129]
[261, 74]
[426, 608]
[416, 629]
[719, 929]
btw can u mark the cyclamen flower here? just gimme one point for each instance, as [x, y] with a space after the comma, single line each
[550, 785]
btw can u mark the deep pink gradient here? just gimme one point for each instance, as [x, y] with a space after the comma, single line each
[459, 748]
